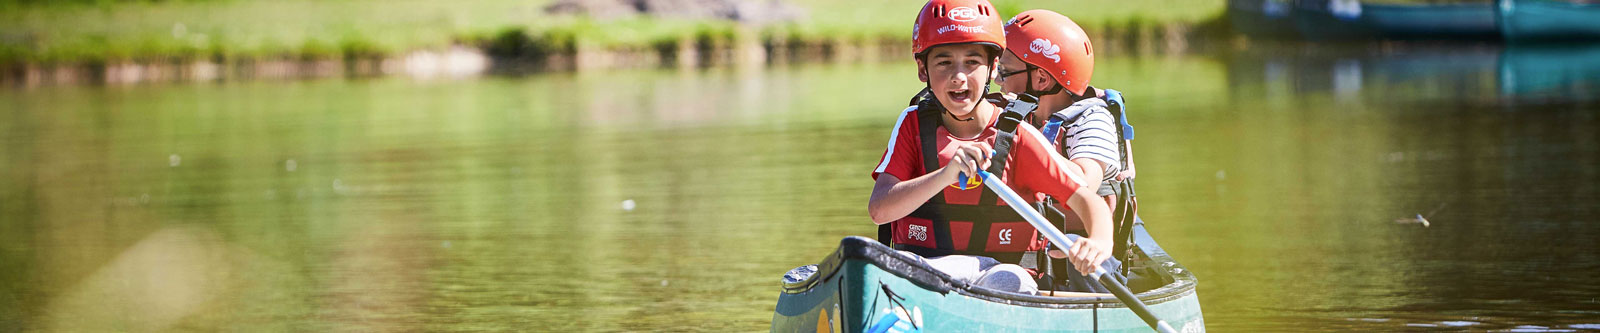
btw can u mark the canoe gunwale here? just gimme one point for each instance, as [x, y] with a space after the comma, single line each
[866, 249]
[856, 247]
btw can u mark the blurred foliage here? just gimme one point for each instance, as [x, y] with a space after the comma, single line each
[91, 31]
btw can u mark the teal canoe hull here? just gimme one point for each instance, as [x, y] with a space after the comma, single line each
[867, 287]
[1438, 21]
[1510, 20]
[1548, 20]
[1346, 19]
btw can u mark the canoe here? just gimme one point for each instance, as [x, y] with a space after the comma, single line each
[1331, 20]
[1432, 21]
[1351, 19]
[1262, 18]
[1548, 20]
[864, 286]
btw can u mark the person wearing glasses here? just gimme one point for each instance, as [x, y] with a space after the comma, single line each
[1049, 57]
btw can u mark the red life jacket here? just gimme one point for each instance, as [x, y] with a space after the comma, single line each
[988, 228]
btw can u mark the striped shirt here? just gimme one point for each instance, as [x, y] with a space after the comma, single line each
[1089, 131]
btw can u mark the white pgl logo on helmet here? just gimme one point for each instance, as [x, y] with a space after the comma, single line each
[1045, 48]
[1005, 236]
[962, 14]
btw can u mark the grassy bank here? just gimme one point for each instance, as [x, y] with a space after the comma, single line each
[225, 31]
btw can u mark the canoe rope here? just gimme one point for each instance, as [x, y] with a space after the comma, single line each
[895, 300]
[1096, 317]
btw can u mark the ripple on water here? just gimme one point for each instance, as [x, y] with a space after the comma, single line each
[1536, 328]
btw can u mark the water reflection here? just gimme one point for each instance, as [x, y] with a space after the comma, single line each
[1426, 129]
[396, 205]
[501, 203]
[1559, 71]
[1352, 77]
[1512, 73]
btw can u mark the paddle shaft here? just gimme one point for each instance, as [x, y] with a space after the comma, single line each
[1065, 242]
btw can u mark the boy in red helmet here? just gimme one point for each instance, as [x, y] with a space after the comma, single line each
[965, 230]
[1049, 56]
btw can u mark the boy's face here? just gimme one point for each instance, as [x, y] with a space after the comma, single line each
[1012, 78]
[957, 74]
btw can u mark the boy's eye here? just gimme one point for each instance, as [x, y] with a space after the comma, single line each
[943, 63]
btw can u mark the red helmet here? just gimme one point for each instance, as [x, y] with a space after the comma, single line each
[957, 21]
[1052, 41]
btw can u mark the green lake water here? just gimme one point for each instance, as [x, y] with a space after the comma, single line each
[674, 200]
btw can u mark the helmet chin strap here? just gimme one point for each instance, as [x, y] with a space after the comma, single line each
[971, 113]
[1054, 89]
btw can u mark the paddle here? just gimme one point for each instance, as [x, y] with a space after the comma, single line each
[1064, 241]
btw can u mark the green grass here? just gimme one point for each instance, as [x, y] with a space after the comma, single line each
[101, 31]
[231, 29]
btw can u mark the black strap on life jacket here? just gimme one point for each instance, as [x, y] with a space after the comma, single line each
[1127, 211]
[983, 214]
[921, 95]
[1054, 125]
[885, 231]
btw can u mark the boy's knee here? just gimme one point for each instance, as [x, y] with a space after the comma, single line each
[1008, 277]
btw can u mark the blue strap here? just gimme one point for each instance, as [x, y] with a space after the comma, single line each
[884, 323]
[1051, 127]
[1114, 98]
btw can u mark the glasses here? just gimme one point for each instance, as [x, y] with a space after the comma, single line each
[1004, 74]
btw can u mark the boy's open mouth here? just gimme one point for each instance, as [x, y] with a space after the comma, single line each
[963, 95]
